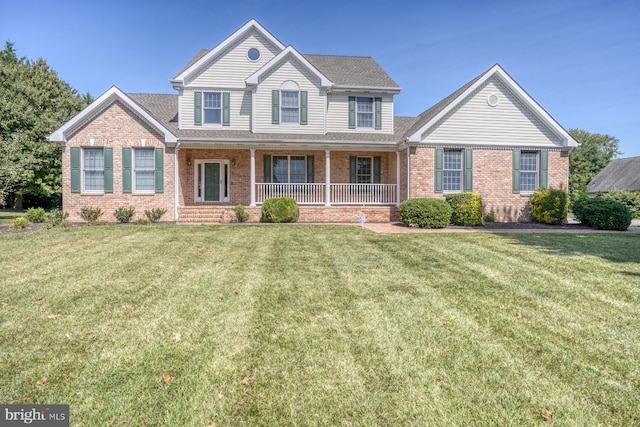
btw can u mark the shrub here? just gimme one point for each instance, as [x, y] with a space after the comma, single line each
[425, 213]
[155, 214]
[549, 206]
[91, 215]
[19, 223]
[602, 213]
[630, 198]
[467, 208]
[35, 215]
[142, 221]
[280, 209]
[490, 217]
[57, 217]
[124, 215]
[241, 215]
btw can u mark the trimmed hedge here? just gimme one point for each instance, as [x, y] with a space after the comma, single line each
[425, 213]
[602, 213]
[467, 208]
[280, 209]
[549, 206]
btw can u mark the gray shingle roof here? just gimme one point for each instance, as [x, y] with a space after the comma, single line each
[352, 71]
[193, 60]
[619, 174]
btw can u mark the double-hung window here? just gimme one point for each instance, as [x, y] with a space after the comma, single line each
[290, 106]
[289, 169]
[364, 112]
[528, 171]
[452, 171]
[144, 170]
[93, 169]
[212, 108]
[364, 170]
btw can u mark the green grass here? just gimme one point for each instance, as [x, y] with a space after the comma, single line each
[331, 325]
[8, 215]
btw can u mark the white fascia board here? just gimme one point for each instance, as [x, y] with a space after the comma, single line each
[103, 101]
[363, 89]
[517, 89]
[252, 24]
[253, 79]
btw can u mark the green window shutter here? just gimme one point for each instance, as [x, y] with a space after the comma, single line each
[352, 169]
[159, 170]
[225, 108]
[126, 170]
[108, 170]
[439, 169]
[516, 171]
[378, 113]
[310, 170]
[275, 107]
[197, 108]
[352, 112]
[377, 166]
[468, 169]
[544, 168]
[74, 154]
[267, 168]
[303, 107]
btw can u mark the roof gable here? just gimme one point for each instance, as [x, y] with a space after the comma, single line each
[433, 115]
[100, 104]
[289, 51]
[203, 57]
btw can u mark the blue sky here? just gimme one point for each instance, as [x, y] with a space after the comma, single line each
[579, 59]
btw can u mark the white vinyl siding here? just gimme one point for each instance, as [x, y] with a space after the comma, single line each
[476, 123]
[289, 69]
[338, 113]
[239, 109]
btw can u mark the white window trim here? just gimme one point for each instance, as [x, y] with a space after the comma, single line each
[134, 175]
[537, 172]
[461, 171]
[373, 112]
[204, 123]
[288, 156]
[82, 170]
[370, 175]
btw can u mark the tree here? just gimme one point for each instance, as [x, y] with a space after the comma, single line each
[33, 103]
[589, 158]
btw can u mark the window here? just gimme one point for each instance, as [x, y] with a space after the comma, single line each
[289, 169]
[452, 171]
[528, 171]
[144, 170]
[364, 112]
[290, 106]
[212, 108]
[364, 170]
[93, 169]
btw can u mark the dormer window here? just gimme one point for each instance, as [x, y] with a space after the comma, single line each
[212, 108]
[365, 112]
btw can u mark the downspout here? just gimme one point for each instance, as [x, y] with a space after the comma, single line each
[408, 171]
[176, 182]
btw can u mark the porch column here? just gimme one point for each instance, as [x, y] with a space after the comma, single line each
[327, 177]
[397, 178]
[252, 178]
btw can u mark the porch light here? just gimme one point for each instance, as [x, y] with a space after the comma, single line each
[233, 162]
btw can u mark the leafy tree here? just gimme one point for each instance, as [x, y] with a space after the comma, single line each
[590, 157]
[33, 103]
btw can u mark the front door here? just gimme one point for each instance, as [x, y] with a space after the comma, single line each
[211, 181]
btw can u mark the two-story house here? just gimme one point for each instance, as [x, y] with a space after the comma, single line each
[253, 119]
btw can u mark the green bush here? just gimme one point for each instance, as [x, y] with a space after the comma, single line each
[91, 215]
[630, 198]
[124, 215]
[425, 213]
[35, 215]
[57, 217]
[602, 213]
[241, 214]
[467, 208]
[19, 223]
[490, 217]
[280, 209]
[155, 214]
[549, 206]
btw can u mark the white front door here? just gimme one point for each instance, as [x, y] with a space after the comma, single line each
[211, 180]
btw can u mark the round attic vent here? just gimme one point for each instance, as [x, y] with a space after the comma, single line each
[493, 100]
[253, 54]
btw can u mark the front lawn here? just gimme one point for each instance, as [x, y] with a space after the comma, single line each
[321, 325]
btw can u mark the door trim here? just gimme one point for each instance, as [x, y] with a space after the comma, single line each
[224, 168]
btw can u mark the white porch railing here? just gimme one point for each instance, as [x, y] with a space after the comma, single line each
[363, 194]
[304, 194]
[340, 194]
